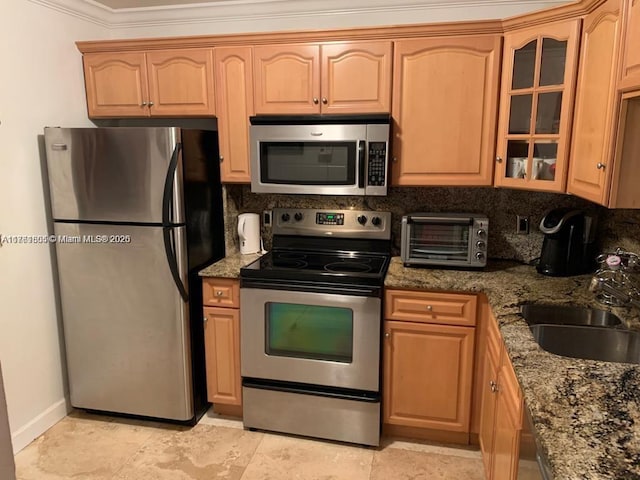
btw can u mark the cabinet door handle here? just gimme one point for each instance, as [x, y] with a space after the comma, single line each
[324, 100]
[499, 159]
[150, 104]
[315, 100]
[494, 386]
[221, 159]
[143, 104]
[204, 320]
[394, 159]
[387, 335]
[600, 166]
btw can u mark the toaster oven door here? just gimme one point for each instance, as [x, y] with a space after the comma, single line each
[437, 241]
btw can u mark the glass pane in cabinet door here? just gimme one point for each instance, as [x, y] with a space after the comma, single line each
[554, 55]
[524, 66]
[548, 115]
[517, 155]
[520, 114]
[543, 165]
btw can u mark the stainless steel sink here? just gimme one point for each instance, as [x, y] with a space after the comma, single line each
[591, 343]
[567, 315]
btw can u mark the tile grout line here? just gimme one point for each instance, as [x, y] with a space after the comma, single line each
[262, 437]
[135, 454]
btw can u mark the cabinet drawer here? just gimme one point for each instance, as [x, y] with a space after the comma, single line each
[431, 307]
[221, 292]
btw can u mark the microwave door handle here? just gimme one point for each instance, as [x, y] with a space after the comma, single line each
[361, 163]
[417, 218]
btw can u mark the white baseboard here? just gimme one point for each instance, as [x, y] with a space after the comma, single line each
[40, 424]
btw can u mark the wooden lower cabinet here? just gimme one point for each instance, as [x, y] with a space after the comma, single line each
[222, 347]
[428, 370]
[501, 413]
[488, 412]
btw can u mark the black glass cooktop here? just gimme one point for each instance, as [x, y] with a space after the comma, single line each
[354, 268]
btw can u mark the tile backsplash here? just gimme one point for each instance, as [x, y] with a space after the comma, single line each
[615, 227]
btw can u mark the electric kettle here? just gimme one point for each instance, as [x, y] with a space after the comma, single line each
[249, 233]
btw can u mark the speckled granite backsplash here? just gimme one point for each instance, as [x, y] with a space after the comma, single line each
[615, 227]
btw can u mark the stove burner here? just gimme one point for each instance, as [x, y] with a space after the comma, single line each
[347, 267]
[290, 263]
[291, 256]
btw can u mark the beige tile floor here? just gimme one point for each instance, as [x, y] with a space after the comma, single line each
[90, 447]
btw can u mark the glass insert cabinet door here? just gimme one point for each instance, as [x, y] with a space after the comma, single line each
[539, 69]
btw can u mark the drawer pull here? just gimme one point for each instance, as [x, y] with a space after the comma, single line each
[429, 307]
[494, 386]
[218, 293]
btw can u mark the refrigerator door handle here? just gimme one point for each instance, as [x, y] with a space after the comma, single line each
[167, 196]
[173, 261]
[167, 205]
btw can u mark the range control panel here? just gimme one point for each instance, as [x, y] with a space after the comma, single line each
[336, 223]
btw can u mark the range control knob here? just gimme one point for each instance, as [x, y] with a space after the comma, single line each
[285, 217]
[480, 256]
[362, 219]
[481, 233]
[376, 221]
[298, 216]
[481, 245]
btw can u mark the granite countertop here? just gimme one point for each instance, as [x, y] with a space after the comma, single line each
[229, 266]
[586, 414]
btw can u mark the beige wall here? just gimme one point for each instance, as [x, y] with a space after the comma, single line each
[7, 469]
[41, 84]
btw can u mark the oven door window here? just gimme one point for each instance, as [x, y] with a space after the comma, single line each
[308, 163]
[440, 241]
[309, 331]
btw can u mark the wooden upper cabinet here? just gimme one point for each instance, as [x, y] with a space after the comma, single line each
[234, 105]
[116, 84]
[287, 79]
[356, 77]
[597, 104]
[181, 82]
[163, 83]
[352, 77]
[631, 52]
[534, 129]
[445, 94]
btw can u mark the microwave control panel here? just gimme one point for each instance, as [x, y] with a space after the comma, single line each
[377, 170]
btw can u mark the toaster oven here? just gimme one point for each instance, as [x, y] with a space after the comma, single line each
[444, 239]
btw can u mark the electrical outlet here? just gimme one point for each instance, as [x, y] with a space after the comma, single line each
[522, 225]
[266, 218]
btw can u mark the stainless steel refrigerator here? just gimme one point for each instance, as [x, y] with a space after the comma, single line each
[137, 212]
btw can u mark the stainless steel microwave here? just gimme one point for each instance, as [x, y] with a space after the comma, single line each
[324, 155]
[445, 239]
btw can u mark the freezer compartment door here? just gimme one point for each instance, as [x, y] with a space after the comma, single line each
[126, 325]
[113, 174]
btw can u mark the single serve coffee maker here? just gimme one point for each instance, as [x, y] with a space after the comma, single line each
[568, 247]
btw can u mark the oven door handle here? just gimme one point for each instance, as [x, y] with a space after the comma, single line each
[418, 218]
[361, 163]
[313, 287]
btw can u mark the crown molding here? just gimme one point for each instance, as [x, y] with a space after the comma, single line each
[247, 11]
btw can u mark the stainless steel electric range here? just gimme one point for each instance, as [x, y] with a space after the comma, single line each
[311, 313]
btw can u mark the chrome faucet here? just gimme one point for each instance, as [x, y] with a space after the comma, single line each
[612, 282]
